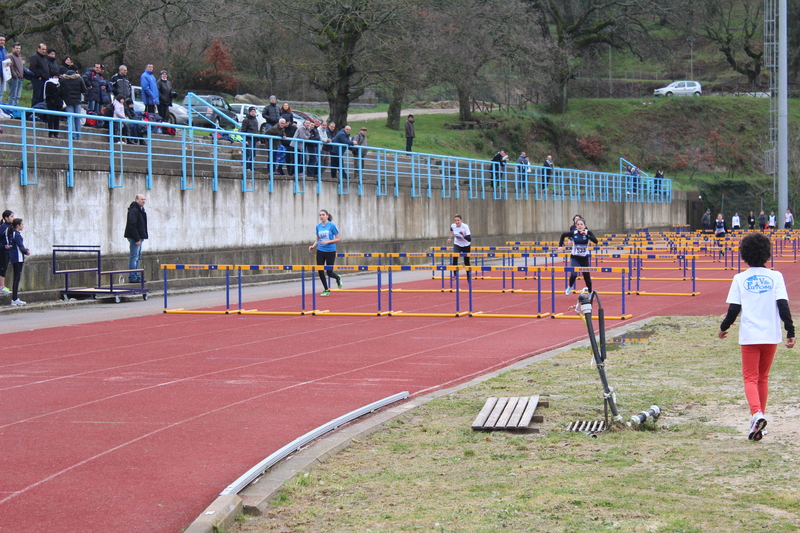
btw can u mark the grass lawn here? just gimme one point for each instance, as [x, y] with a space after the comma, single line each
[693, 471]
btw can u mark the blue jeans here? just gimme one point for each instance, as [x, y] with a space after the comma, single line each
[14, 91]
[76, 121]
[135, 261]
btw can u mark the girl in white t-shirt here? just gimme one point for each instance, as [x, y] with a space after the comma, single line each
[462, 240]
[760, 294]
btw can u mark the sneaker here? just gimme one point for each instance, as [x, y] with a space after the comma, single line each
[757, 425]
[326, 293]
[568, 291]
[17, 302]
[6, 290]
[339, 282]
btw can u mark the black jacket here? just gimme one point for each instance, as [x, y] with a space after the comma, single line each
[271, 114]
[249, 124]
[38, 65]
[164, 92]
[72, 87]
[121, 85]
[136, 228]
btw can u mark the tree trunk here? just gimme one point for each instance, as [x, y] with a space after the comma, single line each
[339, 101]
[464, 111]
[395, 106]
[558, 97]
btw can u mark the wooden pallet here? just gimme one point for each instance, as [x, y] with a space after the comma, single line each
[510, 414]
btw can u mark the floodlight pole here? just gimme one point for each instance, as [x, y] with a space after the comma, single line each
[783, 111]
[691, 41]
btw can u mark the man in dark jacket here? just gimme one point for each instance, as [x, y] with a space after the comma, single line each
[121, 84]
[285, 132]
[250, 125]
[72, 90]
[410, 133]
[272, 112]
[341, 137]
[41, 73]
[136, 233]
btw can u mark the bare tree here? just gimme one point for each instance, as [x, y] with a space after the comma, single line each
[736, 27]
[574, 27]
[346, 35]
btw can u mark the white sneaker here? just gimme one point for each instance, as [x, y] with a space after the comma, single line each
[757, 425]
[568, 291]
[17, 302]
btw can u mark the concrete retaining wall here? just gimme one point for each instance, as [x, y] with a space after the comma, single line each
[233, 227]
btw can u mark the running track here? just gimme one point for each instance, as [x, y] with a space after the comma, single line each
[136, 425]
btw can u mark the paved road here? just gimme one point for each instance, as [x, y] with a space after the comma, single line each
[403, 113]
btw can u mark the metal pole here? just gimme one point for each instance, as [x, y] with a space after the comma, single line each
[783, 111]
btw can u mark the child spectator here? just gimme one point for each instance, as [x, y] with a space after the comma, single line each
[16, 255]
[759, 293]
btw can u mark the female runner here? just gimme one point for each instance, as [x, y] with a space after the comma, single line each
[327, 237]
[580, 237]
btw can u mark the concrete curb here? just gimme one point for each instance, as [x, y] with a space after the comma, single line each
[255, 498]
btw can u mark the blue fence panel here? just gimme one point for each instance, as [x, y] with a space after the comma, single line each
[197, 150]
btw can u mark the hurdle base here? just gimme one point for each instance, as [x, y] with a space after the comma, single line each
[576, 317]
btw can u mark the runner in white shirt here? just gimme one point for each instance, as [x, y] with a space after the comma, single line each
[760, 294]
[735, 221]
[788, 219]
[462, 239]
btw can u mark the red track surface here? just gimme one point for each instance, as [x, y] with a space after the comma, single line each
[137, 424]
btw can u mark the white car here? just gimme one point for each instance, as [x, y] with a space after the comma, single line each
[241, 111]
[680, 88]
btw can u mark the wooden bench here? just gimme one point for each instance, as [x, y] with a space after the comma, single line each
[515, 413]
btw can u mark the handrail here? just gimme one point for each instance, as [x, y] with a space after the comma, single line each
[361, 170]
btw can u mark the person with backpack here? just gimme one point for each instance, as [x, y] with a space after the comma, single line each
[98, 94]
[54, 101]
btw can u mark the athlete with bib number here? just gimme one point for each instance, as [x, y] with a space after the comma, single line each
[579, 257]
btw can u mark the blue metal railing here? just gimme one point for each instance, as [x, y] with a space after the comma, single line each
[195, 151]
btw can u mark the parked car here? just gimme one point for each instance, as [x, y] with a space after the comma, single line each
[177, 113]
[215, 114]
[680, 88]
[241, 111]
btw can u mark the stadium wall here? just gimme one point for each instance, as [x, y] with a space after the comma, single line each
[229, 226]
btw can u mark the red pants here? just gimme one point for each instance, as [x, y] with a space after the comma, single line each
[756, 362]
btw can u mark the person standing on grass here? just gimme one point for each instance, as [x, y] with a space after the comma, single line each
[736, 222]
[772, 220]
[579, 257]
[762, 221]
[751, 220]
[410, 132]
[760, 295]
[5, 246]
[327, 236]
[16, 255]
[462, 240]
[788, 219]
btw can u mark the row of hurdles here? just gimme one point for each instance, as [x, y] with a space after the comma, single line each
[388, 288]
[630, 256]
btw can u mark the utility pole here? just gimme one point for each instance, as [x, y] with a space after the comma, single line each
[691, 41]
